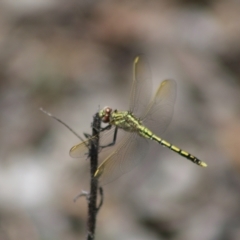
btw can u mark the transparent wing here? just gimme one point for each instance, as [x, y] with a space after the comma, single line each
[132, 149]
[159, 112]
[141, 86]
[81, 150]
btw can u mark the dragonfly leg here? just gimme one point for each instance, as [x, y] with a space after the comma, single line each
[88, 136]
[108, 127]
[114, 139]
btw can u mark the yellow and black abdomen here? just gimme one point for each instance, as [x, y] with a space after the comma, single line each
[180, 152]
[145, 132]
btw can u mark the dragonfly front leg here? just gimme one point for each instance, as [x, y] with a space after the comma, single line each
[108, 127]
[88, 136]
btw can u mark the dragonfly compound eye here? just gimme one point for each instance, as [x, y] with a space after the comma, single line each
[105, 114]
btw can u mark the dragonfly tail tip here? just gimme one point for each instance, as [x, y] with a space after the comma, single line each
[203, 164]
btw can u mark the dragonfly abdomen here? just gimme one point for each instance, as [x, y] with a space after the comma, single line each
[146, 133]
[182, 153]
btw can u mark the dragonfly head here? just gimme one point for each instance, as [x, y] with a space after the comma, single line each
[104, 114]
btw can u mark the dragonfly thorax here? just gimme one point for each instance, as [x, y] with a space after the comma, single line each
[122, 119]
[125, 120]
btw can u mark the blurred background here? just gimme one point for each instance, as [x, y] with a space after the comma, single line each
[72, 57]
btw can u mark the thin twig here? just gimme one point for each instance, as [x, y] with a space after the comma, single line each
[59, 120]
[93, 153]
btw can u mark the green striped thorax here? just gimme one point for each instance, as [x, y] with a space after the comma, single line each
[122, 119]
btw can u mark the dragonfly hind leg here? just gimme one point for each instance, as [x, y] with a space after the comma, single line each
[114, 139]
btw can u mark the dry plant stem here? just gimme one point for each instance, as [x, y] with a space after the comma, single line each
[63, 123]
[93, 153]
[92, 203]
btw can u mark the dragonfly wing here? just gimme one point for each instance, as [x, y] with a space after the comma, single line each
[81, 150]
[132, 149]
[160, 110]
[141, 86]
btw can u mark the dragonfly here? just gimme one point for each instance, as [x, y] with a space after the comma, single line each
[147, 119]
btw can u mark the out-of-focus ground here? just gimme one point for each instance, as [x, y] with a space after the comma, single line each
[70, 57]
